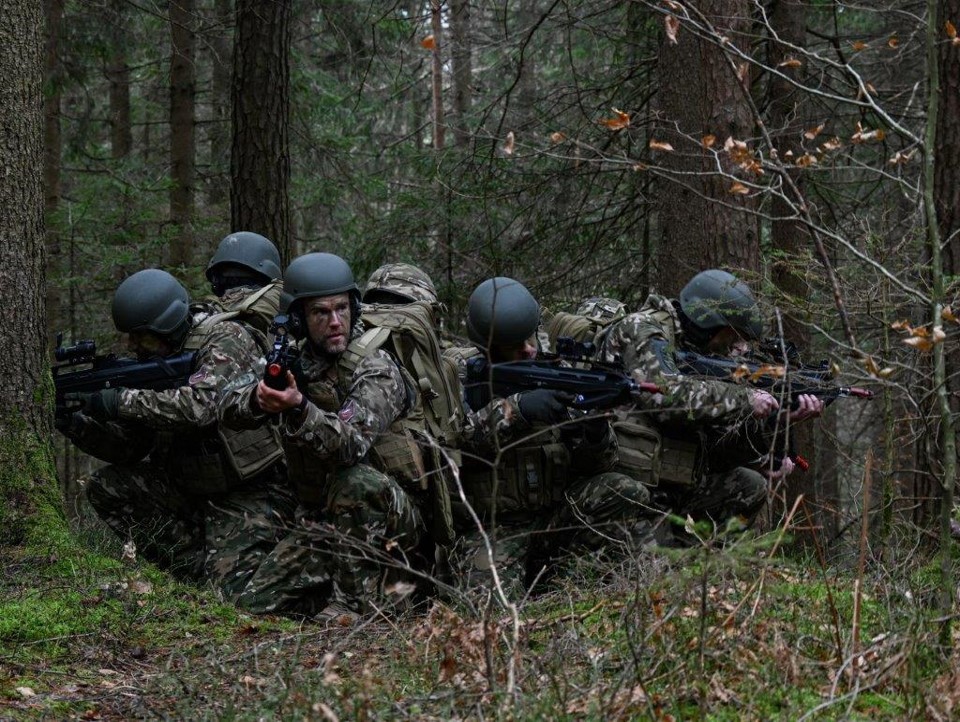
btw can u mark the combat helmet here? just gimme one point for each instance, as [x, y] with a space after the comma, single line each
[713, 299]
[152, 300]
[316, 275]
[243, 258]
[602, 309]
[501, 312]
[399, 283]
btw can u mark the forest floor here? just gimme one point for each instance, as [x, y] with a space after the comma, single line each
[738, 632]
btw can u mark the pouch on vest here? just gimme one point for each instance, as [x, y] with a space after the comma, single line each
[680, 461]
[639, 450]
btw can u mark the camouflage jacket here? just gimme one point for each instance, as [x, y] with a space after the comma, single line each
[375, 397]
[500, 423]
[256, 312]
[642, 343]
[184, 416]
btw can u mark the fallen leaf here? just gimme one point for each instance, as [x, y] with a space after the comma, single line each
[671, 25]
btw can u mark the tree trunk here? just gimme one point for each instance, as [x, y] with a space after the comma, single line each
[182, 98]
[703, 223]
[222, 51]
[27, 485]
[260, 155]
[118, 76]
[461, 50]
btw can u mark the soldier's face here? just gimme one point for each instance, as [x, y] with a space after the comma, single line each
[146, 345]
[524, 351]
[328, 322]
[725, 342]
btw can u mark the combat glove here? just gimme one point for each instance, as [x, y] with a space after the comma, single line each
[103, 405]
[545, 406]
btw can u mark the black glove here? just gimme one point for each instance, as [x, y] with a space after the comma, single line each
[101, 405]
[545, 405]
[66, 422]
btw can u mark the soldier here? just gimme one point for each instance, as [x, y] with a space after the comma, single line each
[676, 444]
[353, 462]
[538, 474]
[207, 503]
[244, 276]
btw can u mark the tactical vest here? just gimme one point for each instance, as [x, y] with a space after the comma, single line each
[403, 451]
[257, 309]
[222, 459]
[531, 475]
[644, 452]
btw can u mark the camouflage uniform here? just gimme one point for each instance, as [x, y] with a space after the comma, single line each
[355, 523]
[206, 504]
[709, 411]
[541, 492]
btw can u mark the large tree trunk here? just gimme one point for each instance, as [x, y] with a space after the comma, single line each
[27, 485]
[182, 99]
[703, 223]
[260, 157]
[118, 75]
[222, 50]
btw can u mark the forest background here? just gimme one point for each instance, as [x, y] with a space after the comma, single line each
[584, 147]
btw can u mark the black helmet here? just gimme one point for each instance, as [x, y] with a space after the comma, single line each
[501, 311]
[152, 300]
[316, 275]
[399, 283]
[244, 257]
[714, 299]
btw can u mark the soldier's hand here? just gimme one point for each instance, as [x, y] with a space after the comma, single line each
[545, 405]
[276, 401]
[66, 422]
[762, 403]
[103, 405]
[808, 407]
[786, 468]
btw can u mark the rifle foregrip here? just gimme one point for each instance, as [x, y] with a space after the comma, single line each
[275, 376]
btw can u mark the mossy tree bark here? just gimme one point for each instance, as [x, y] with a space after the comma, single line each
[28, 490]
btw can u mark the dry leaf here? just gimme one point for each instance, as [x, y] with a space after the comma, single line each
[951, 30]
[814, 132]
[768, 371]
[886, 372]
[919, 342]
[938, 334]
[508, 145]
[738, 188]
[636, 167]
[671, 25]
[900, 157]
[790, 63]
[863, 136]
[401, 589]
[832, 144]
[859, 45]
[901, 326]
[429, 43]
[557, 137]
[871, 366]
[708, 141]
[947, 314]
[25, 692]
[660, 145]
[743, 69]
[619, 121]
[806, 160]
[893, 42]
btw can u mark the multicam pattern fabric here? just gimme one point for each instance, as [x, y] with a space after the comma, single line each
[553, 495]
[257, 306]
[404, 280]
[599, 308]
[221, 539]
[638, 342]
[716, 411]
[345, 554]
[359, 526]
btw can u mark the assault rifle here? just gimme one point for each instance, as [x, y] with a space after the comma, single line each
[593, 385]
[777, 379]
[281, 356]
[111, 371]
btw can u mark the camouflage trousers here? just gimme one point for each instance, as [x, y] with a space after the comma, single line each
[347, 552]
[739, 492]
[221, 540]
[609, 511]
